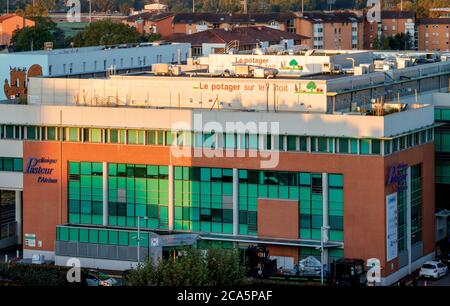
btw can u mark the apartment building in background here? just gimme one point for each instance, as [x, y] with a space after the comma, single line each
[393, 22]
[189, 23]
[215, 41]
[152, 23]
[8, 24]
[434, 34]
[331, 30]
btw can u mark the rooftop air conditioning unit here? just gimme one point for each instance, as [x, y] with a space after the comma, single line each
[242, 70]
[327, 67]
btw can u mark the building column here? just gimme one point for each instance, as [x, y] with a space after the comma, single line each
[325, 215]
[171, 204]
[408, 217]
[18, 201]
[235, 202]
[105, 194]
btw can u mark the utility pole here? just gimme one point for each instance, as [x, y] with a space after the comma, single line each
[244, 5]
[303, 7]
[7, 6]
[193, 6]
[90, 11]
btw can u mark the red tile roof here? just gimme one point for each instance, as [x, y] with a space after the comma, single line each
[433, 21]
[6, 16]
[245, 35]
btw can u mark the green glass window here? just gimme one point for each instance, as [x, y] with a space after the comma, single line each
[131, 136]
[376, 147]
[32, 133]
[335, 180]
[8, 164]
[230, 141]
[343, 145]
[9, 132]
[113, 136]
[322, 144]
[303, 143]
[291, 143]
[387, 147]
[445, 114]
[364, 146]
[73, 134]
[96, 135]
[123, 136]
[18, 164]
[51, 133]
[86, 135]
[151, 137]
[160, 138]
[140, 137]
[170, 138]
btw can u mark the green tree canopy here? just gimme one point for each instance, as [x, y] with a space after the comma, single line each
[293, 62]
[311, 86]
[193, 268]
[33, 38]
[106, 32]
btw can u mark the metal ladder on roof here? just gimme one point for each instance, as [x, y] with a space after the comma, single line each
[233, 44]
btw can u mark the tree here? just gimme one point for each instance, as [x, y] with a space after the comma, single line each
[293, 63]
[311, 86]
[192, 268]
[106, 32]
[385, 43]
[33, 38]
[375, 43]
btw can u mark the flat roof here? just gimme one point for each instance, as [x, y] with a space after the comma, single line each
[200, 74]
[91, 49]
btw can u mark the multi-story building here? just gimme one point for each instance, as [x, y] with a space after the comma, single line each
[284, 162]
[433, 34]
[241, 39]
[189, 23]
[331, 31]
[8, 24]
[441, 103]
[151, 23]
[86, 61]
[393, 22]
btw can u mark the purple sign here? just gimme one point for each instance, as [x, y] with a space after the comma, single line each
[397, 175]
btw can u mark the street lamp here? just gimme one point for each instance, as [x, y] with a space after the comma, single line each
[138, 238]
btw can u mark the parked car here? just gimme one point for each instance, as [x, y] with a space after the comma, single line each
[433, 269]
[98, 278]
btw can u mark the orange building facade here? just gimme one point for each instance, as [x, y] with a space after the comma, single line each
[85, 188]
[8, 24]
[434, 34]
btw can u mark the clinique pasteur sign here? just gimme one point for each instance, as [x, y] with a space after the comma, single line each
[43, 168]
[398, 176]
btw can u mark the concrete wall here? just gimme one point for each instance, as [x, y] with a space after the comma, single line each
[292, 123]
[56, 59]
[189, 92]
